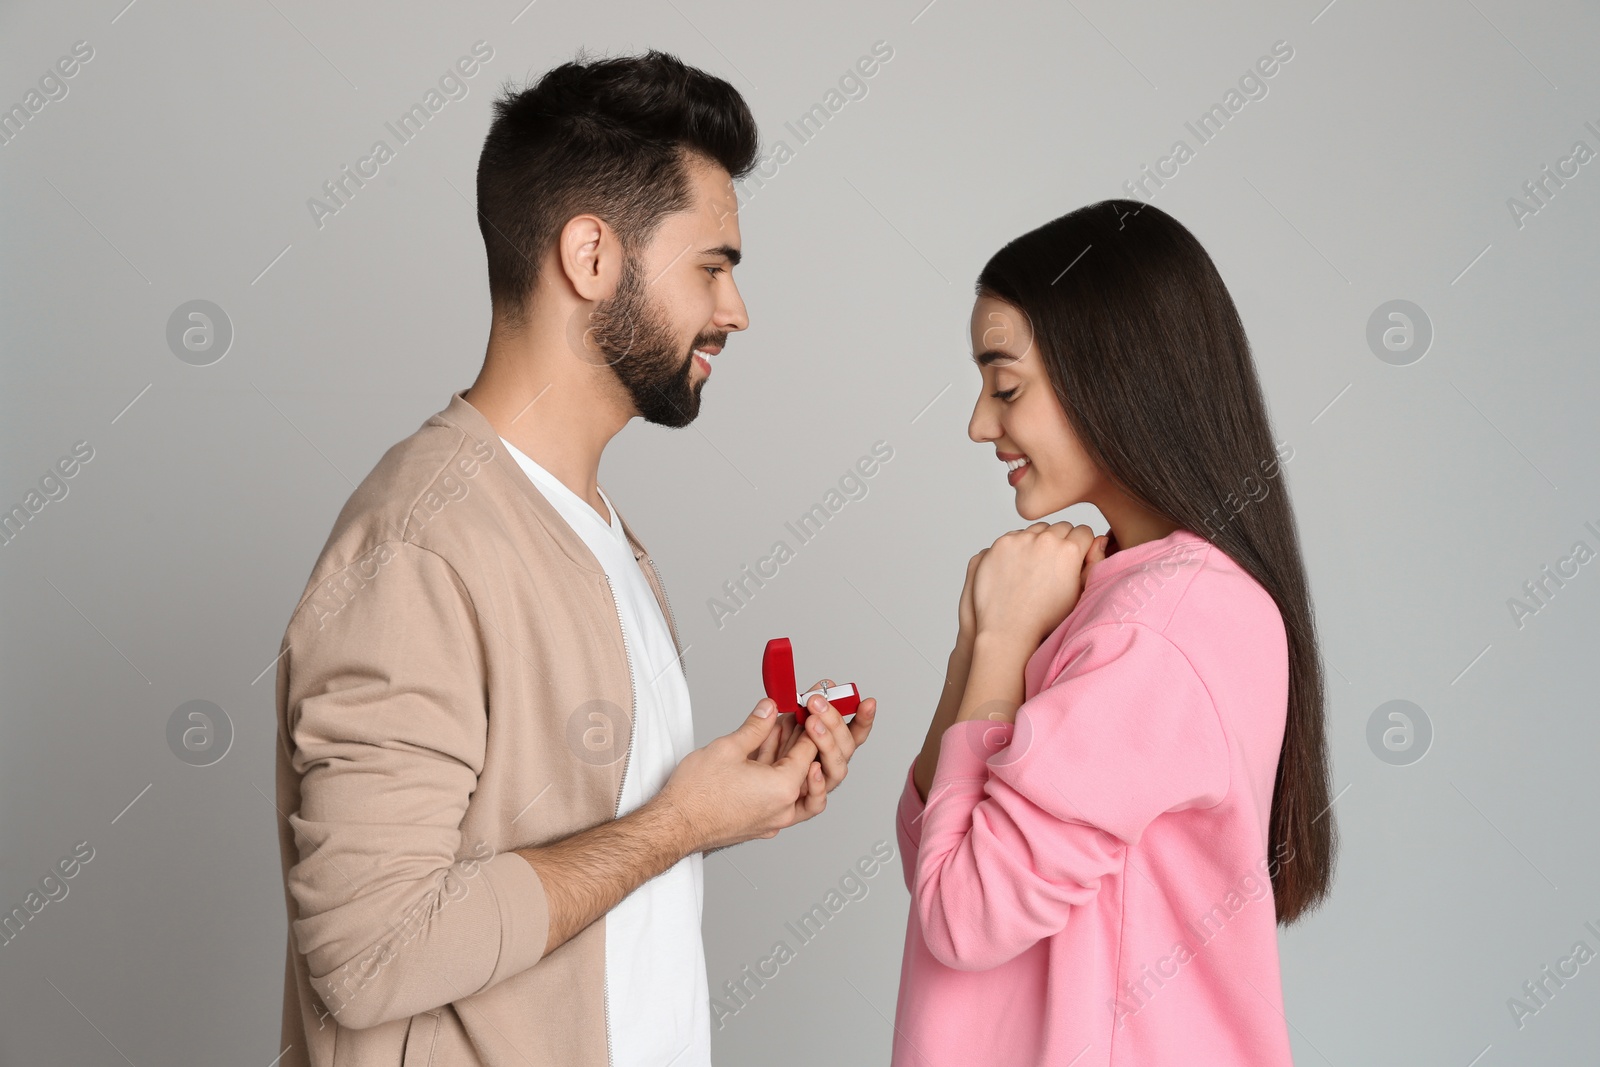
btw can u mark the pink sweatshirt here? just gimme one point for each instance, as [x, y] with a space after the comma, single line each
[1090, 885]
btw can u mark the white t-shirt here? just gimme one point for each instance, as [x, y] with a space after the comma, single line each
[660, 1003]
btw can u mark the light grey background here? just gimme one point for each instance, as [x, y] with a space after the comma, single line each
[1379, 166]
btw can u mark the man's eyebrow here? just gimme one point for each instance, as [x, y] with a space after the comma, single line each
[728, 252]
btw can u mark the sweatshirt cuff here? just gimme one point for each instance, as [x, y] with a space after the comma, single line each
[524, 914]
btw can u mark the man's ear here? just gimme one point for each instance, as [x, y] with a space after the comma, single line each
[590, 256]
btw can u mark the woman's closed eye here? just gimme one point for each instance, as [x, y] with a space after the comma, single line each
[1005, 394]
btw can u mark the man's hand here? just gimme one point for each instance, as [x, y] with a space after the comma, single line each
[829, 737]
[717, 796]
[722, 796]
[777, 744]
[826, 737]
[759, 779]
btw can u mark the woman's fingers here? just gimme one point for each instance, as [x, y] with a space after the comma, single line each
[1081, 536]
[1031, 579]
[1096, 554]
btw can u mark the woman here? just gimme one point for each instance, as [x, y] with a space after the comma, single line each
[1125, 787]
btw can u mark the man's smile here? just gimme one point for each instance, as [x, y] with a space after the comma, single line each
[702, 357]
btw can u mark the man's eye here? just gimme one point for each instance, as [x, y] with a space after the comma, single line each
[714, 270]
[1005, 394]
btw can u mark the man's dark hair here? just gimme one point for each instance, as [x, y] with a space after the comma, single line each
[610, 137]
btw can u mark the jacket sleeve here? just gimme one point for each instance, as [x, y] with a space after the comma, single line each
[387, 724]
[1024, 819]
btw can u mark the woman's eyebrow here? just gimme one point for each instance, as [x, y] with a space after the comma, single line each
[989, 357]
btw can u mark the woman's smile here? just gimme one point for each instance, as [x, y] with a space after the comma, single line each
[1017, 465]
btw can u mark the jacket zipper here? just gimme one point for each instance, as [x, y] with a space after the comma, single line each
[682, 666]
[633, 719]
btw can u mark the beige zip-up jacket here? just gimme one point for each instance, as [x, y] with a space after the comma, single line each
[453, 684]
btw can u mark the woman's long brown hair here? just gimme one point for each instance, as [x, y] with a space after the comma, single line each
[1149, 359]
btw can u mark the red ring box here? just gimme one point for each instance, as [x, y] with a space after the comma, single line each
[777, 676]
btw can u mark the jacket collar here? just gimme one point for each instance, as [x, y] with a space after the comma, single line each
[462, 415]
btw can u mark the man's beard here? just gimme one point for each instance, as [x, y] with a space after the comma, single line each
[638, 344]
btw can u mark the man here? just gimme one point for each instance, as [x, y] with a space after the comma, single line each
[494, 813]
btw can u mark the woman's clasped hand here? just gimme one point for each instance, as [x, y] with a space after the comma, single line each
[1028, 581]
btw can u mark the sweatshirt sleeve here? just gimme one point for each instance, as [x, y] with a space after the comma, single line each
[1023, 820]
[908, 825]
[387, 724]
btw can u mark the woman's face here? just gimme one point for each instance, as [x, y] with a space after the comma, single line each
[1026, 419]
